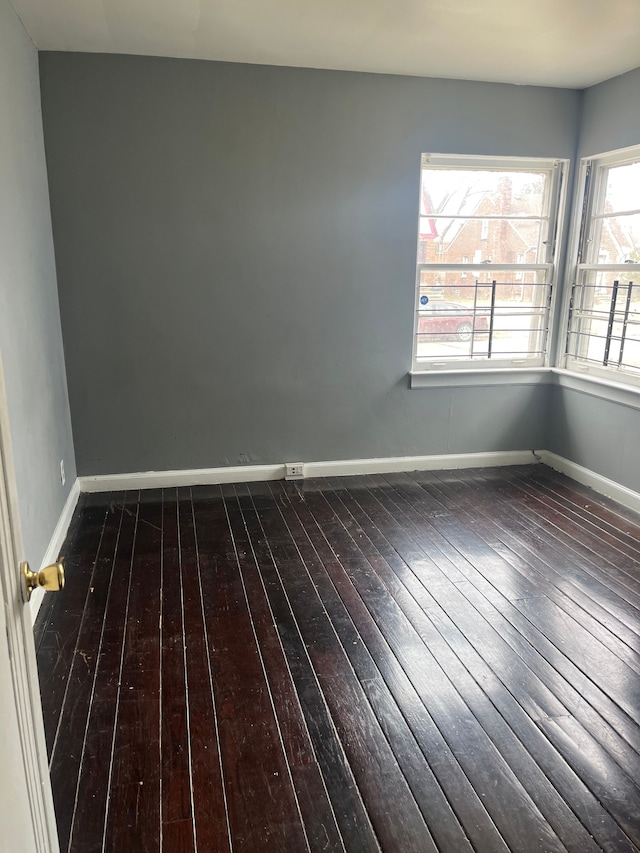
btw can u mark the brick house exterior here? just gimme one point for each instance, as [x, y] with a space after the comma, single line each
[482, 242]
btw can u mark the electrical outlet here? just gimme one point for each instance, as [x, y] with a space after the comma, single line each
[294, 471]
[62, 477]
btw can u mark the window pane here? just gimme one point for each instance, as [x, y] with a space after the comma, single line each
[497, 241]
[483, 219]
[513, 287]
[616, 240]
[471, 192]
[622, 189]
[605, 325]
[495, 316]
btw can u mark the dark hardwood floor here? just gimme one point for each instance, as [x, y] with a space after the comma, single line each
[443, 661]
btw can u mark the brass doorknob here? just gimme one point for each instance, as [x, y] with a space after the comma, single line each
[50, 578]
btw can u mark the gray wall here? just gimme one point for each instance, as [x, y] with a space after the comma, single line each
[611, 115]
[599, 434]
[30, 336]
[236, 258]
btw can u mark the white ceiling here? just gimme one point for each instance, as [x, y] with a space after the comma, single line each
[571, 43]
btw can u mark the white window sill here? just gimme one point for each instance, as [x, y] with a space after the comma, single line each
[605, 389]
[473, 378]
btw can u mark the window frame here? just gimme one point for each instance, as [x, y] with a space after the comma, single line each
[590, 195]
[558, 169]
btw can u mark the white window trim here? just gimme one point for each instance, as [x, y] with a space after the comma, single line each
[509, 367]
[612, 378]
[505, 162]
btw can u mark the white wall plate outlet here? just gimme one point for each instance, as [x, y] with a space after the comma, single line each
[294, 470]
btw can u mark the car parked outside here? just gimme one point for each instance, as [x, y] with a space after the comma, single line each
[444, 319]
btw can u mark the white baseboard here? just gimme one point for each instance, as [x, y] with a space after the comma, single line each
[190, 477]
[394, 464]
[343, 467]
[55, 544]
[602, 485]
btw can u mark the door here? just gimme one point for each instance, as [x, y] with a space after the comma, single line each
[27, 819]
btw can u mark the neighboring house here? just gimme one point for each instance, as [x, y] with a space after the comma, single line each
[483, 243]
[478, 241]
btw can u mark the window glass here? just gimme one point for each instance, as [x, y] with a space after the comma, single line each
[620, 193]
[616, 237]
[459, 192]
[485, 261]
[604, 315]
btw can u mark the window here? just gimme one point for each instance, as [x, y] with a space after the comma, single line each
[604, 314]
[503, 214]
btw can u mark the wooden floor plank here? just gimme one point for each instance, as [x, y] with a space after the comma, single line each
[68, 748]
[619, 517]
[530, 551]
[616, 563]
[356, 723]
[263, 813]
[209, 805]
[580, 514]
[92, 790]
[607, 735]
[511, 541]
[436, 662]
[471, 745]
[439, 781]
[586, 652]
[133, 815]
[499, 582]
[612, 564]
[351, 816]
[313, 801]
[536, 701]
[176, 795]
[617, 755]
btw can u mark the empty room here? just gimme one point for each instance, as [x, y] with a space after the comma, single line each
[320, 426]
